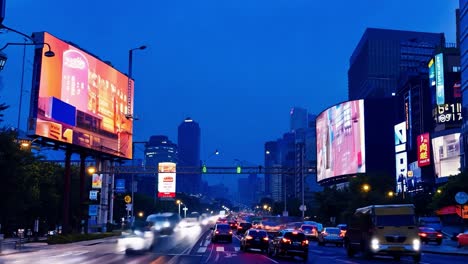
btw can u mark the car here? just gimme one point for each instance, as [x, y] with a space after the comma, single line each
[462, 239]
[429, 234]
[310, 231]
[242, 227]
[343, 228]
[164, 223]
[257, 224]
[233, 224]
[330, 235]
[221, 232]
[138, 239]
[289, 242]
[254, 238]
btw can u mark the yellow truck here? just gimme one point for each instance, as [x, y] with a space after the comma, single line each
[384, 230]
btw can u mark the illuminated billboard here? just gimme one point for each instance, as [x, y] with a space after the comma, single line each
[80, 100]
[439, 78]
[340, 140]
[423, 152]
[166, 180]
[446, 152]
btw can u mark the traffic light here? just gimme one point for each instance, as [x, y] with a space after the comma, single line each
[239, 169]
[204, 168]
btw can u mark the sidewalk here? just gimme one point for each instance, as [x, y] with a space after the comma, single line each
[10, 246]
[448, 247]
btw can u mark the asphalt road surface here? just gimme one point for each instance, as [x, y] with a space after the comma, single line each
[192, 245]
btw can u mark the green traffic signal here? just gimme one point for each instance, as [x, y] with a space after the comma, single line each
[239, 169]
[204, 169]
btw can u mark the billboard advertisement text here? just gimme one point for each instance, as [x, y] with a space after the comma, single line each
[401, 157]
[166, 180]
[439, 78]
[424, 157]
[446, 151]
[80, 100]
[341, 140]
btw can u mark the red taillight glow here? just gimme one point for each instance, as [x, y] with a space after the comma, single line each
[248, 237]
[230, 232]
[265, 238]
[439, 235]
[285, 240]
[423, 234]
[305, 242]
[216, 232]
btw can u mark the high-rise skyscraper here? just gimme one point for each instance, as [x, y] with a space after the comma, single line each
[188, 157]
[271, 159]
[463, 39]
[160, 149]
[298, 118]
[382, 55]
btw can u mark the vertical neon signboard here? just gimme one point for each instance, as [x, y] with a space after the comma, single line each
[439, 78]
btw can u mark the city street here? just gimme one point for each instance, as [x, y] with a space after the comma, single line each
[193, 245]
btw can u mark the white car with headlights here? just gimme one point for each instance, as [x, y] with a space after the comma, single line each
[139, 238]
[164, 223]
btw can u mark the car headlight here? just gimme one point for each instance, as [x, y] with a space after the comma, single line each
[416, 244]
[374, 244]
[166, 224]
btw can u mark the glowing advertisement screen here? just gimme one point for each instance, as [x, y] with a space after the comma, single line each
[446, 151]
[439, 78]
[340, 140]
[82, 101]
[431, 67]
[424, 156]
[166, 180]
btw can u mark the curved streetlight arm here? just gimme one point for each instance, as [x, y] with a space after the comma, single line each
[25, 44]
[17, 32]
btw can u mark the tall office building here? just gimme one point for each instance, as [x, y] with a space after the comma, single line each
[188, 157]
[382, 55]
[271, 160]
[463, 44]
[298, 118]
[160, 149]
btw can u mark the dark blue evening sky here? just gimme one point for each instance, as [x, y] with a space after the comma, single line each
[236, 67]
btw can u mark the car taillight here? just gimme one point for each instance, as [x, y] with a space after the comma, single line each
[230, 232]
[439, 235]
[423, 234]
[285, 240]
[216, 232]
[305, 242]
[265, 238]
[248, 237]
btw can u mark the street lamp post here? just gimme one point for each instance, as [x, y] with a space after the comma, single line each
[179, 203]
[129, 90]
[129, 114]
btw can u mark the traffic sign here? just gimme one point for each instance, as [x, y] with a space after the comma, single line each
[128, 199]
[461, 197]
[129, 207]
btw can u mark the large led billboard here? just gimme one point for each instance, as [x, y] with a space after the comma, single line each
[446, 152]
[80, 100]
[166, 180]
[340, 140]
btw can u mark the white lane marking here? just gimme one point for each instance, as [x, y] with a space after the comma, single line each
[217, 257]
[207, 242]
[201, 250]
[236, 249]
[219, 249]
[209, 256]
[272, 260]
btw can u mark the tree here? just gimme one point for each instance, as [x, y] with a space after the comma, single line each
[446, 194]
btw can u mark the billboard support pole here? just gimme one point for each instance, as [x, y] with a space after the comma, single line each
[82, 212]
[66, 192]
